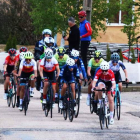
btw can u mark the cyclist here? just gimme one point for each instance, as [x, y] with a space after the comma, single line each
[27, 69]
[9, 67]
[92, 65]
[67, 75]
[61, 57]
[107, 80]
[115, 65]
[80, 65]
[47, 70]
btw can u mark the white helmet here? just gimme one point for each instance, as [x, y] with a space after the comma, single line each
[75, 53]
[70, 62]
[47, 31]
[21, 55]
[49, 40]
[48, 53]
[104, 65]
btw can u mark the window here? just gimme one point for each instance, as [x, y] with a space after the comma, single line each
[117, 19]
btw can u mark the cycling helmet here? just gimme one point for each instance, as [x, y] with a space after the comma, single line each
[61, 50]
[12, 52]
[23, 49]
[49, 41]
[115, 56]
[70, 62]
[82, 13]
[75, 53]
[28, 55]
[97, 54]
[47, 31]
[21, 55]
[48, 53]
[104, 65]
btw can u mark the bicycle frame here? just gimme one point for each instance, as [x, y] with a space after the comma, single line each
[115, 98]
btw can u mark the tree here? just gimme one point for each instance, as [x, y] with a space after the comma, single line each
[53, 14]
[108, 53]
[133, 60]
[121, 56]
[8, 43]
[130, 19]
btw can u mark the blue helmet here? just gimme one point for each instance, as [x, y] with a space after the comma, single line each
[115, 56]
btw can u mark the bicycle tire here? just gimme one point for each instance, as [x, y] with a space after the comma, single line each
[51, 99]
[64, 110]
[91, 106]
[70, 106]
[118, 106]
[46, 110]
[77, 102]
[107, 119]
[8, 100]
[26, 102]
[64, 114]
[102, 115]
[114, 106]
[14, 94]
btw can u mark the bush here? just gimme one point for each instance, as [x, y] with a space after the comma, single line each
[133, 60]
[121, 56]
[108, 53]
[11, 43]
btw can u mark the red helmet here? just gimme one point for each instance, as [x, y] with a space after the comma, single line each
[23, 49]
[82, 13]
[12, 52]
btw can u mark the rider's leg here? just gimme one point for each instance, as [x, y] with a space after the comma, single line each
[73, 89]
[54, 90]
[63, 91]
[89, 94]
[6, 83]
[120, 86]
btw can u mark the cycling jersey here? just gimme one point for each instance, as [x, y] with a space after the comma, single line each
[49, 66]
[62, 61]
[28, 67]
[92, 63]
[108, 77]
[81, 67]
[68, 75]
[117, 67]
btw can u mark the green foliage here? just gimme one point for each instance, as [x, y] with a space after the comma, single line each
[133, 60]
[108, 53]
[11, 43]
[121, 56]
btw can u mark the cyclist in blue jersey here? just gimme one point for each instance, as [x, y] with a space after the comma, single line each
[115, 65]
[80, 65]
[68, 74]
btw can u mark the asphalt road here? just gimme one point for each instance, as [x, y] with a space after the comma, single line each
[35, 126]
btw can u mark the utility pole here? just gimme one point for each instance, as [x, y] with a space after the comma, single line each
[87, 6]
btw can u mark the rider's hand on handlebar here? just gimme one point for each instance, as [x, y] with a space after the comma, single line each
[93, 89]
[89, 78]
[126, 80]
[5, 72]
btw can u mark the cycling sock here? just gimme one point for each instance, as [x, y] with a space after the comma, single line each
[21, 100]
[100, 101]
[6, 90]
[44, 96]
[17, 99]
[111, 114]
[31, 89]
[88, 95]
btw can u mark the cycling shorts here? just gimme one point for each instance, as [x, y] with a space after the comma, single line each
[118, 78]
[68, 79]
[25, 75]
[50, 76]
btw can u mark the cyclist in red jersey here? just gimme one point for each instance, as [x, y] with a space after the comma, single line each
[106, 80]
[9, 66]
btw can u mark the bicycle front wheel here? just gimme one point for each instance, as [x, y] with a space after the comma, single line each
[13, 94]
[77, 102]
[8, 100]
[102, 115]
[118, 106]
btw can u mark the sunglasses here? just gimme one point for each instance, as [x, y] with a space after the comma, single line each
[75, 57]
[70, 67]
[114, 61]
[104, 70]
[97, 58]
[61, 54]
[80, 17]
[27, 59]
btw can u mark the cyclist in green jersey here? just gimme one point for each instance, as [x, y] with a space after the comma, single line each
[92, 65]
[61, 57]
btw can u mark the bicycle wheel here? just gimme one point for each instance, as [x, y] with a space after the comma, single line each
[8, 100]
[13, 94]
[118, 106]
[26, 101]
[51, 100]
[102, 115]
[107, 119]
[114, 106]
[77, 102]
[46, 109]
[64, 110]
[92, 103]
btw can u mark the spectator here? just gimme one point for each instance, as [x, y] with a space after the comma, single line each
[74, 35]
[85, 35]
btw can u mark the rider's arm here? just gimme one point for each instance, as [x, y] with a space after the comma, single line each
[20, 68]
[58, 70]
[124, 69]
[89, 67]
[5, 67]
[41, 72]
